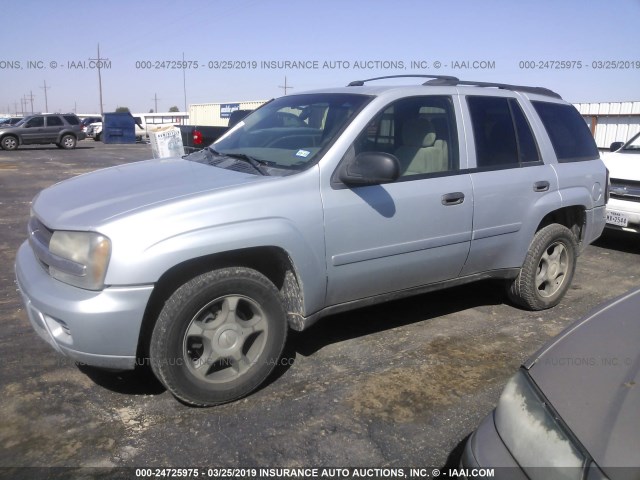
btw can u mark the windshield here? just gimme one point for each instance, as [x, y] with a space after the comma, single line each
[291, 132]
[633, 144]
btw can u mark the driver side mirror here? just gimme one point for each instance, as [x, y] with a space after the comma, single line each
[370, 168]
[615, 146]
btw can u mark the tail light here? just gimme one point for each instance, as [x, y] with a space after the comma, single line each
[197, 137]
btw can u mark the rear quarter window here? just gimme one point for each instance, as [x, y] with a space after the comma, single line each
[571, 139]
[72, 119]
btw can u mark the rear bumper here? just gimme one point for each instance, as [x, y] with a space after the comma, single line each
[95, 328]
[594, 226]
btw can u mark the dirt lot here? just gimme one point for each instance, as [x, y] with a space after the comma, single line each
[401, 384]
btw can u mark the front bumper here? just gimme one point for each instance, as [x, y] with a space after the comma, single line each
[629, 209]
[95, 328]
[485, 449]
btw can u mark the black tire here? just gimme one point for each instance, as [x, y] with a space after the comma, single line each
[68, 142]
[218, 336]
[9, 143]
[548, 269]
[96, 137]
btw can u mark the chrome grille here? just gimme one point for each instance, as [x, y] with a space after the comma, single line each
[39, 238]
[628, 190]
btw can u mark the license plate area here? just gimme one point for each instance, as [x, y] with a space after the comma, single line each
[618, 219]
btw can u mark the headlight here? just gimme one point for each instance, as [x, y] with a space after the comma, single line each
[533, 435]
[87, 255]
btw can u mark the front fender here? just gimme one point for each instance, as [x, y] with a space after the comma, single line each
[156, 259]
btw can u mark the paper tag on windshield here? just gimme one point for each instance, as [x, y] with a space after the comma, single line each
[303, 153]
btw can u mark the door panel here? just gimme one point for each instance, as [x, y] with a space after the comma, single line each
[392, 237]
[502, 230]
[33, 130]
[415, 231]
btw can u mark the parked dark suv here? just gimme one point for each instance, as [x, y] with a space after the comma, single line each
[63, 130]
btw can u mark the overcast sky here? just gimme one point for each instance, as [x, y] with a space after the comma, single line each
[241, 47]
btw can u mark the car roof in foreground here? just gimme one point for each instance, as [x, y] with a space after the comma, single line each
[591, 375]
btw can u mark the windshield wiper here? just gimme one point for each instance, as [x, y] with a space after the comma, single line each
[258, 165]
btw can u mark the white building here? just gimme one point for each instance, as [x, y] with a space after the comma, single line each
[611, 121]
[217, 114]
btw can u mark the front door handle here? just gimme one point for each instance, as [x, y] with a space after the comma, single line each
[454, 198]
[542, 186]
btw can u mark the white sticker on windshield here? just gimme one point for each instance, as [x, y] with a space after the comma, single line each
[303, 153]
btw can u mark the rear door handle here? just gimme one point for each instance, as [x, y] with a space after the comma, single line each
[454, 198]
[542, 186]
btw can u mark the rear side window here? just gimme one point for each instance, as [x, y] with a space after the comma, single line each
[72, 119]
[54, 122]
[569, 134]
[502, 134]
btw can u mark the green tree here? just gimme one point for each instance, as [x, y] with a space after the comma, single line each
[174, 109]
[122, 109]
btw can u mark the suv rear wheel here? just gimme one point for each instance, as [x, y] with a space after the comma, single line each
[219, 336]
[548, 269]
[67, 142]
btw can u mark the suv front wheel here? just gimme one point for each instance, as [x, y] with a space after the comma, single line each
[548, 269]
[9, 143]
[219, 336]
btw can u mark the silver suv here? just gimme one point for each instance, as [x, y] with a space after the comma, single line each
[64, 130]
[314, 204]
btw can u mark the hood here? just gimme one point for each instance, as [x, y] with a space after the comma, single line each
[86, 201]
[590, 374]
[623, 165]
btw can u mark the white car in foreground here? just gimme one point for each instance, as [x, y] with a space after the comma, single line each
[623, 208]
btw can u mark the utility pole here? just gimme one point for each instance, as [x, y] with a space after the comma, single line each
[30, 97]
[46, 102]
[155, 97]
[99, 65]
[285, 87]
[15, 104]
[184, 82]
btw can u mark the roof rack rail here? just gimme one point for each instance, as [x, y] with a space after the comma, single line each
[359, 83]
[504, 86]
[446, 80]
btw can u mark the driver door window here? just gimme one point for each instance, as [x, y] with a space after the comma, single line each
[419, 131]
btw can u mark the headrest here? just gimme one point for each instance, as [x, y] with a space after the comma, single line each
[418, 132]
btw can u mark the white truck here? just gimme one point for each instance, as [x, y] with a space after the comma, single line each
[623, 209]
[142, 128]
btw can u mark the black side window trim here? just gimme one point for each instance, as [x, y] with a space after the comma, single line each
[338, 185]
[510, 102]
